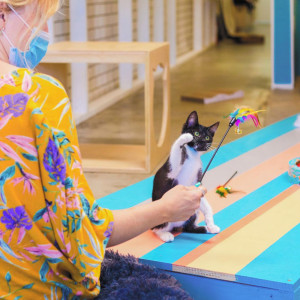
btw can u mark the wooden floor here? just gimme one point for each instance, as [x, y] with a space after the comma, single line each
[227, 66]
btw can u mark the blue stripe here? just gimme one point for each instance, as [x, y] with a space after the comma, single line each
[141, 191]
[282, 42]
[280, 263]
[186, 242]
[129, 196]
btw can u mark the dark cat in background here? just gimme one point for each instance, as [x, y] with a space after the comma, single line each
[184, 167]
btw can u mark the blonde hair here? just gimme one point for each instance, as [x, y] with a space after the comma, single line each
[44, 9]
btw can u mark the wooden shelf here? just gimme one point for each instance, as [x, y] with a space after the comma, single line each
[113, 158]
[102, 52]
[124, 158]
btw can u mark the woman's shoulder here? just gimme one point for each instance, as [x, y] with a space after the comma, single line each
[47, 80]
[26, 78]
[36, 93]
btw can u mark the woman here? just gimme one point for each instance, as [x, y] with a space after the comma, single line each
[53, 234]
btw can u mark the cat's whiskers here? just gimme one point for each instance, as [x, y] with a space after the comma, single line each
[211, 148]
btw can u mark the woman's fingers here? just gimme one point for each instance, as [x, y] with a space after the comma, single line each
[201, 188]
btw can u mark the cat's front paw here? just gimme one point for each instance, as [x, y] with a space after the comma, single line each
[185, 138]
[213, 229]
[166, 236]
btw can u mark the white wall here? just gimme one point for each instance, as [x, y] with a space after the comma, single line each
[263, 9]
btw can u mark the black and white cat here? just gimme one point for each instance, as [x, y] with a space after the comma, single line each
[184, 167]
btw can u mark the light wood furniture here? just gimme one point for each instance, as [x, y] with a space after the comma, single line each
[124, 158]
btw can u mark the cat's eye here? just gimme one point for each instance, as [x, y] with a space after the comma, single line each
[207, 138]
[196, 133]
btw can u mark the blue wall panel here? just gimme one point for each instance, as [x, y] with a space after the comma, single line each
[282, 42]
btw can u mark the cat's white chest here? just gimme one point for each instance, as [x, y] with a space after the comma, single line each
[189, 171]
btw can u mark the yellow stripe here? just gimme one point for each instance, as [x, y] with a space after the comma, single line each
[238, 250]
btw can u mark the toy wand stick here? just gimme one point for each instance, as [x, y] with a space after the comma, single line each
[238, 116]
[230, 179]
[231, 123]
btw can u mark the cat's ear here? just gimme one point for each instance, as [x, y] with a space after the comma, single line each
[192, 120]
[213, 128]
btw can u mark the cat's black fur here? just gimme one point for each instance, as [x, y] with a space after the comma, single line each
[162, 183]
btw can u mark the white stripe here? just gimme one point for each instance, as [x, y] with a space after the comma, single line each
[250, 159]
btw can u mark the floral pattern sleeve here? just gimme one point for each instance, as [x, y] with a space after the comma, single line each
[52, 224]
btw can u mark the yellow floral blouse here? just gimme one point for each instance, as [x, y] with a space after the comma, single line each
[52, 232]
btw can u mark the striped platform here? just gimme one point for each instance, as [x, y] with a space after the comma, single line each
[257, 253]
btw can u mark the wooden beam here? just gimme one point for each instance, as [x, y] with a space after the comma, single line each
[214, 22]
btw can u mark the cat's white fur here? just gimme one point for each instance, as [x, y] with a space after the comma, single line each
[186, 174]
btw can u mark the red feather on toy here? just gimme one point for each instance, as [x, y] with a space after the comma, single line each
[244, 114]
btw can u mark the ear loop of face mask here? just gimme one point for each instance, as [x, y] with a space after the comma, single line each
[20, 18]
[43, 34]
[7, 38]
[2, 30]
[40, 42]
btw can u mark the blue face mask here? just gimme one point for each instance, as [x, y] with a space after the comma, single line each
[37, 49]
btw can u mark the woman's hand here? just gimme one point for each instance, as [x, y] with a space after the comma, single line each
[181, 202]
[178, 204]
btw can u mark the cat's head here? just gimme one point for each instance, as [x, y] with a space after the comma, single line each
[202, 136]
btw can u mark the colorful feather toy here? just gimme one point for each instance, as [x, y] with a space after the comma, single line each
[240, 115]
[222, 190]
[243, 114]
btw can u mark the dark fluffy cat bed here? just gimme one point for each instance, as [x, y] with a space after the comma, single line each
[122, 277]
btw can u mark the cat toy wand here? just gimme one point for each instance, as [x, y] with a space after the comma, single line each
[239, 116]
